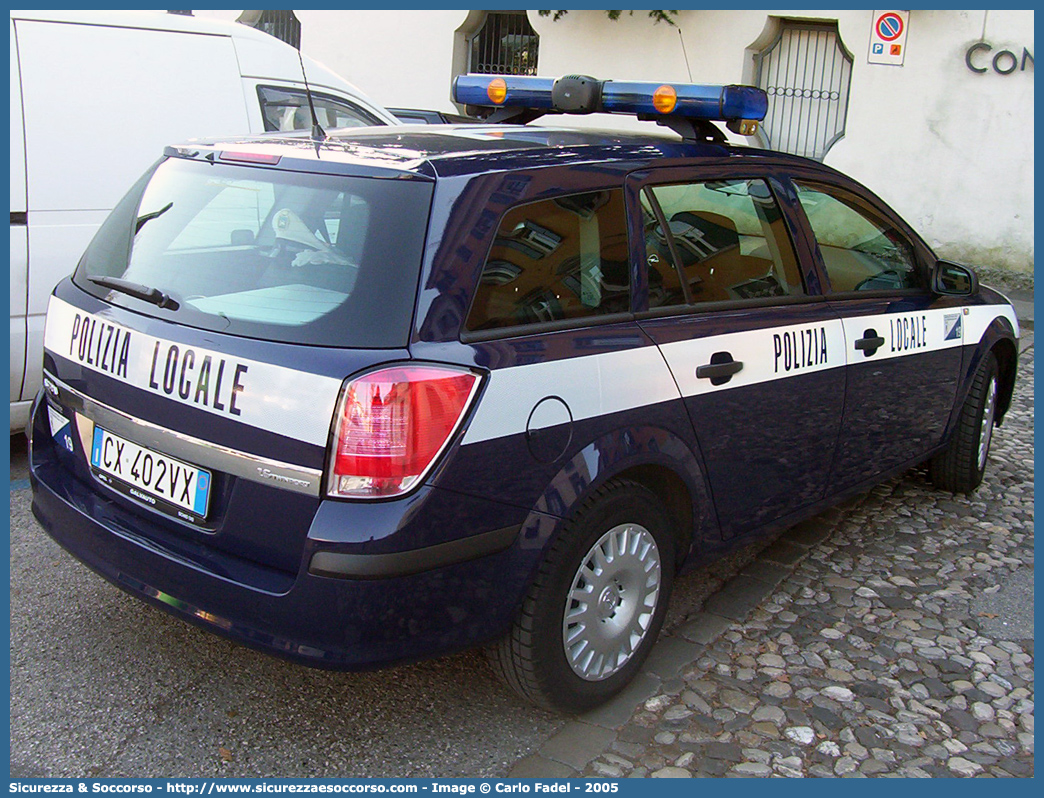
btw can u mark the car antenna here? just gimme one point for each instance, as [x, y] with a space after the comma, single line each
[318, 134]
[685, 53]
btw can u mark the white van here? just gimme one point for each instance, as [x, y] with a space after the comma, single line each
[95, 96]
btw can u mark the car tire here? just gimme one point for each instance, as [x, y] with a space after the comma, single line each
[568, 654]
[960, 466]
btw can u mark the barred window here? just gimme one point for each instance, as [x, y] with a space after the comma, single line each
[806, 72]
[284, 25]
[506, 44]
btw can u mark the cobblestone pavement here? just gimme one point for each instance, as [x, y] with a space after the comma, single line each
[890, 637]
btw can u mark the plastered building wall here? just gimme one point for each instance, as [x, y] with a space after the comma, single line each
[950, 149]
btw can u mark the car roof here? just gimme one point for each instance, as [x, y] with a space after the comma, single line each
[446, 150]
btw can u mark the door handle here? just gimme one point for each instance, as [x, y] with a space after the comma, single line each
[720, 370]
[869, 343]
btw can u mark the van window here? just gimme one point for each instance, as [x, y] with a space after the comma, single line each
[287, 109]
[266, 253]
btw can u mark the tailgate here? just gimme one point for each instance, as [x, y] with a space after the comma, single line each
[218, 438]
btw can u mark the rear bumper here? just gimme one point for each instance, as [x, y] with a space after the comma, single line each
[350, 605]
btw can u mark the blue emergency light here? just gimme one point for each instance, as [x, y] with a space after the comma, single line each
[741, 107]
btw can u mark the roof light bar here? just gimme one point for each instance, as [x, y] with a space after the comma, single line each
[741, 106]
[494, 91]
[695, 101]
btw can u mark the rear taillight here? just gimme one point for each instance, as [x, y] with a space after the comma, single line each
[392, 424]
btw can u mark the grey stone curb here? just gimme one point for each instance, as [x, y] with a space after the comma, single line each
[601, 731]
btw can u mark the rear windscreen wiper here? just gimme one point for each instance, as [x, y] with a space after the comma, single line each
[137, 290]
[146, 217]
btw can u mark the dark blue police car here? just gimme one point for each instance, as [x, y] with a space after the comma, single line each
[399, 392]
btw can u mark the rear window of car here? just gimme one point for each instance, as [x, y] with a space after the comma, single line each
[553, 260]
[264, 253]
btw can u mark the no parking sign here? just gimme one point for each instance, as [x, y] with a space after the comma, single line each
[888, 37]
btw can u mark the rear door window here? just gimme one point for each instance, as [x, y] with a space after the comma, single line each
[727, 237]
[557, 259]
[267, 253]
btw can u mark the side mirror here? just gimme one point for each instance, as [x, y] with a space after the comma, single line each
[953, 279]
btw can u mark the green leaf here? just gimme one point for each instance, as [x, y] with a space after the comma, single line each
[657, 16]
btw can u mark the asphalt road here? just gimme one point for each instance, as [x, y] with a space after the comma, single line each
[104, 686]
